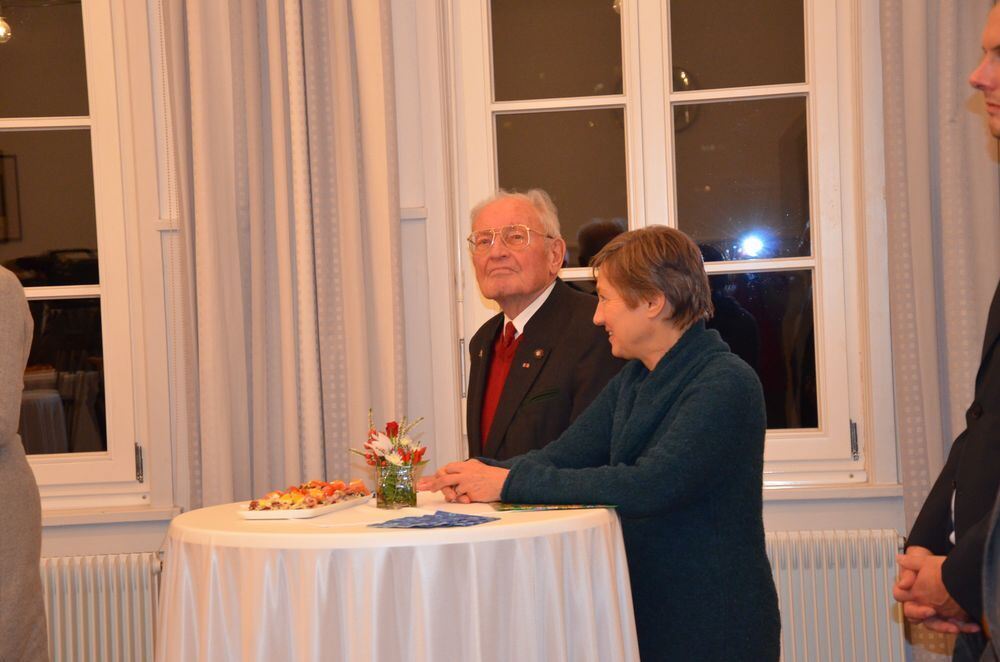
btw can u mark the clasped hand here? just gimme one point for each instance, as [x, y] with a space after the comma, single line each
[465, 482]
[925, 599]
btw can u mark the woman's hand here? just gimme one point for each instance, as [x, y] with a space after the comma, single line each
[465, 482]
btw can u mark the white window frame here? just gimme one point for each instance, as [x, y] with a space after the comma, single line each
[101, 479]
[847, 372]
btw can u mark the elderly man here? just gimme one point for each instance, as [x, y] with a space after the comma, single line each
[540, 362]
[940, 583]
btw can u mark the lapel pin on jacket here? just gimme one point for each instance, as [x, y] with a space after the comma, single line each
[480, 353]
[525, 365]
[539, 353]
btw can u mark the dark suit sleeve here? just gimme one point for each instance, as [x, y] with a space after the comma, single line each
[473, 403]
[973, 466]
[933, 523]
[962, 569]
[991, 577]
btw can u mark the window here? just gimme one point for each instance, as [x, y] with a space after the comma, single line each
[723, 119]
[63, 233]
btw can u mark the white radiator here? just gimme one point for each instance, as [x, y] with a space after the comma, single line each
[835, 593]
[101, 608]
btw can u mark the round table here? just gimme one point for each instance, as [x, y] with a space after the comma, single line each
[545, 586]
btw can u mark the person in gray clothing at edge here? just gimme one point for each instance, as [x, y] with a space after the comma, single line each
[23, 634]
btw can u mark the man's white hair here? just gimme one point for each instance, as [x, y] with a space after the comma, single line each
[539, 201]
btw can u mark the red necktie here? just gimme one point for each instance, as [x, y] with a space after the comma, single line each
[508, 336]
[503, 354]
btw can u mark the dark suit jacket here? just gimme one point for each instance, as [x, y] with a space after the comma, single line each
[973, 473]
[561, 364]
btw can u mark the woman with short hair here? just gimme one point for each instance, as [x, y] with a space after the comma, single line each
[676, 442]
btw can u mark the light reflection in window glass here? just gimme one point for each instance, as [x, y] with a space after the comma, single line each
[743, 177]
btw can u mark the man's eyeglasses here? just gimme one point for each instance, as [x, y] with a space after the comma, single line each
[515, 237]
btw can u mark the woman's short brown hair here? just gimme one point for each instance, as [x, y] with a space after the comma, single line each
[657, 259]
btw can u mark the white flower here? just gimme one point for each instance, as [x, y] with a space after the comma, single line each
[405, 442]
[395, 458]
[381, 444]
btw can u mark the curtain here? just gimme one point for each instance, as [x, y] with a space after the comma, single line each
[283, 179]
[944, 235]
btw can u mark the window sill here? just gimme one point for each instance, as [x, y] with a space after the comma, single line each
[108, 515]
[824, 492]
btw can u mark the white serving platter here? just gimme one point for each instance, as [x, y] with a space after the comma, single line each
[304, 513]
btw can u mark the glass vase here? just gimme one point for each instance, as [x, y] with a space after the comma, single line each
[394, 486]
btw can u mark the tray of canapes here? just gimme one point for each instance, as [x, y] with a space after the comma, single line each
[310, 499]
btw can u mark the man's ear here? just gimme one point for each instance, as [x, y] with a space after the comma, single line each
[558, 254]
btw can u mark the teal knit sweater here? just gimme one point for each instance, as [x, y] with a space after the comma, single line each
[680, 452]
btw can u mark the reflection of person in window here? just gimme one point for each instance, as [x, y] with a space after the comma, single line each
[535, 366]
[590, 239]
[594, 235]
[676, 442]
[22, 614]
[733, 322]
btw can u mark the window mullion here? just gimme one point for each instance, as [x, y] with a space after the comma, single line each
[743, 266]
[62, 292]
[568, 103]
[36, 123]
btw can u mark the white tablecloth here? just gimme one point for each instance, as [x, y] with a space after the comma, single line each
[545, 586]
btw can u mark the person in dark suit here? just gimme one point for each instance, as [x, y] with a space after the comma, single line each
[940, 581]
[538, 363]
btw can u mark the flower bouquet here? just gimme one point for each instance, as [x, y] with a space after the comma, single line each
[394, 454]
